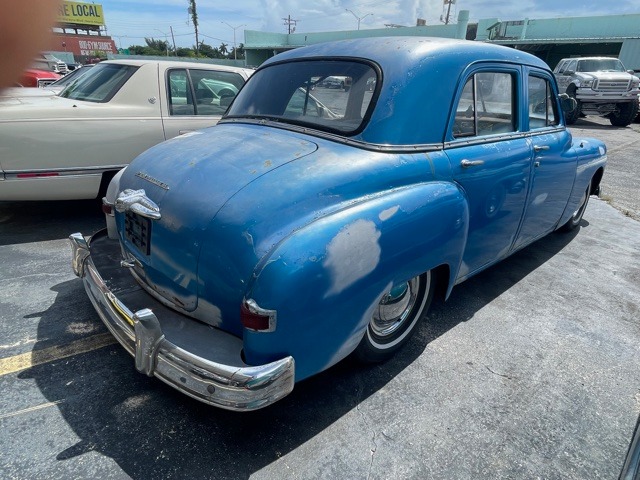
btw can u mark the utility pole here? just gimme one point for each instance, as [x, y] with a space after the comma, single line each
[288, 21]
[446, 17]
[174, 40]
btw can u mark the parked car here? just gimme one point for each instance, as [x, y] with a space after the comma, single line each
[601, 86]
[339, 82]
[47, 61]
[34, 77]
[44, 88]
[257, 253]
[113, 112]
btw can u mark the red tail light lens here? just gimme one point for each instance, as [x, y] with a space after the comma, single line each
[257, 319]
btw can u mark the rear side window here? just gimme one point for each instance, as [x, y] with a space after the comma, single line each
[202, 92]
[543, 109]
[486, 106]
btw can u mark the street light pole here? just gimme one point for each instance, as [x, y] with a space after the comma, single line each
[235, 50]
[357, 17]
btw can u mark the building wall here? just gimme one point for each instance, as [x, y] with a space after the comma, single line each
[550, 39]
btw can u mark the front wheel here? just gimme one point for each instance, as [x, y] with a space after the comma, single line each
[574, 221]
[624, 114]
[396, 318]
[572, 117]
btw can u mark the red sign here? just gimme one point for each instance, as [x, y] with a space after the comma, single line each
[84, 45]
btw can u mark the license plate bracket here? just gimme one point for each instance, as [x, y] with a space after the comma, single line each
[137, 230]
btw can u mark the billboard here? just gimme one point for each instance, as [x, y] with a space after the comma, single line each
[77, 13]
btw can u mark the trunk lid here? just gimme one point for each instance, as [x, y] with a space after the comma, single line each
[190, 178]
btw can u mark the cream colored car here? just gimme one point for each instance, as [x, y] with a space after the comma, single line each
[68, 146]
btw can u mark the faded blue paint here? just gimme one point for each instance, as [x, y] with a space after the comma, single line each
[318, 229]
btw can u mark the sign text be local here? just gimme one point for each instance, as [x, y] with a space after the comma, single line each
[80, 13]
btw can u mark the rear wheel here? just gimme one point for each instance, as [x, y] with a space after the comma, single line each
[624, 114]
[396, 318]
[574, 221]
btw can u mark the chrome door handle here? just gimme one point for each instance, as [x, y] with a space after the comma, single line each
[471, 163]
[539, 148]
[536, 164]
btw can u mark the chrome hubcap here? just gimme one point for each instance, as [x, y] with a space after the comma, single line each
[394, 308]
[583, 200]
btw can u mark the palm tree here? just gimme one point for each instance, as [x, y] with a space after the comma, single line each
[194, 18]
[223, 49]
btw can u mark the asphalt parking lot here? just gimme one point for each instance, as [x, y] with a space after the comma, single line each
[530, 370]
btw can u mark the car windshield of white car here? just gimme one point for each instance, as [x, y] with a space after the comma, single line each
[600, 65]
[335, 96]
[99, 84]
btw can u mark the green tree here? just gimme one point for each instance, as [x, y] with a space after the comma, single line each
[156, 47]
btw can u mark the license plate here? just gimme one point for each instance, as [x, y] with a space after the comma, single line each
[137, 230]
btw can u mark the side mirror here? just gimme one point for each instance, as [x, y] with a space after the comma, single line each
[568, 72]
[568, 104]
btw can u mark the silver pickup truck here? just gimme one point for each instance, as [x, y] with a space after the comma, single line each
[601, 86]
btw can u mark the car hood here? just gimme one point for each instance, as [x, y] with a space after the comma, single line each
[190, 178]
[612, 76]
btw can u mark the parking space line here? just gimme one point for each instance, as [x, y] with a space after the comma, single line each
[30, 409]
[38, 357]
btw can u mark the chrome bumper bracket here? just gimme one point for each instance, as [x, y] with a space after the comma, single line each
[202, 362]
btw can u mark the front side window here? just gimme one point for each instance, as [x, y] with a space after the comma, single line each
[486, 106]
[542, 105]
[327, 95]
[100, 83]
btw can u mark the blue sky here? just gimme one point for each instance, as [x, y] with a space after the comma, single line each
[128, 22]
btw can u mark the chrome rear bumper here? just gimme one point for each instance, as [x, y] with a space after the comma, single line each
[196, 359]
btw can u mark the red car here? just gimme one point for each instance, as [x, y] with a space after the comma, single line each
[37, 78]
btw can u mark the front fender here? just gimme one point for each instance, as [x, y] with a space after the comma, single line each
[325, 279]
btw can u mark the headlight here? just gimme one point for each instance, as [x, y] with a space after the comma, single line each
[587, 83]
[634, 84]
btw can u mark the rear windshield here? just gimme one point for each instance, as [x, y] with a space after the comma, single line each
[100, 83]
[328, 95]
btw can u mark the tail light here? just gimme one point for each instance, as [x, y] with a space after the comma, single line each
[257, 319]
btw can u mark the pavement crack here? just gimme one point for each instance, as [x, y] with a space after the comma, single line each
[499, 374]
[374, 446]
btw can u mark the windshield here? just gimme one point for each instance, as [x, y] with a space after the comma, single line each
[100, 83]
[328, 95]
[71, 77]
[600, 65]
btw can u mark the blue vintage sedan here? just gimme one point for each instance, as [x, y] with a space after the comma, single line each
[314, 223]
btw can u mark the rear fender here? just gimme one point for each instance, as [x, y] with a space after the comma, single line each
[592, 158]
[325, 279]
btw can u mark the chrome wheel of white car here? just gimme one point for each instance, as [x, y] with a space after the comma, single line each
[396, 318]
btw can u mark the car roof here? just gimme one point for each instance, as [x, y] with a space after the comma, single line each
[177, 64]
[420, 76]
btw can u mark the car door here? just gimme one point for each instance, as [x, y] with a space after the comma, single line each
[197, 98]
[554, 161]
[491, 160]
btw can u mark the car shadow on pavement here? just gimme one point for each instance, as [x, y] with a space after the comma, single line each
[54, 220]
[152, 431]
[590, 124]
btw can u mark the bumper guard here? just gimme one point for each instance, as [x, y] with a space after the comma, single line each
[196, 359]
